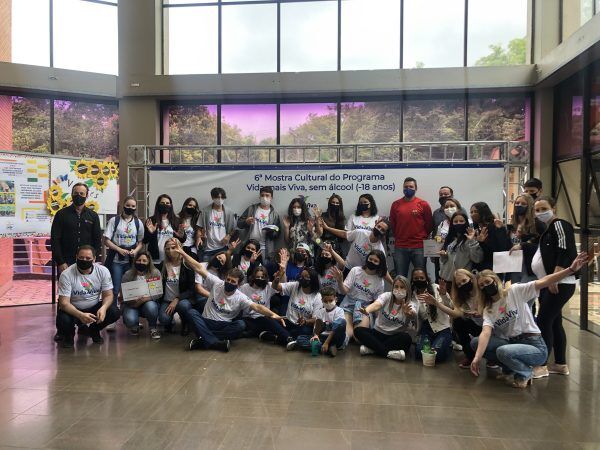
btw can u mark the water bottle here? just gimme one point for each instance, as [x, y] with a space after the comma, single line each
[426, 345]
[315, 348]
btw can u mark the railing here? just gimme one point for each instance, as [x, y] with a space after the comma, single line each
[31, 256]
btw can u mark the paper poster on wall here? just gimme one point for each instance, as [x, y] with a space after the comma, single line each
[101, 177]
[23, 183]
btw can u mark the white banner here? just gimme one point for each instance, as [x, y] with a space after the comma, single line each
[317, 183]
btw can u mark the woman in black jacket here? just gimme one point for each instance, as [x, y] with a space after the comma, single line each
[556, 251]
[162, 226]
[491, 234]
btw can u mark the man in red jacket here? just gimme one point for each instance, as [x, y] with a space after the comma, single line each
[411, 222]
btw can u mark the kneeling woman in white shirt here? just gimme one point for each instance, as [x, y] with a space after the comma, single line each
[510, 335]
[395, 324]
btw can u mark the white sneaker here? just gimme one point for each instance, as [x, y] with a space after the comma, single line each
[364, 350]
[291, 345]
[154, 333]
[456, 347]
[398, 355]
[111, 327]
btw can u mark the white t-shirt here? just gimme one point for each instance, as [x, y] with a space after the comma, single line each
[125, 235]
[163, 234]
[244, 265]
[537, 267]
[442, 320]
[172, 284]
[189, 233]
[84, 290]
[301, 304]
[328, 280]
[261, 217]
[220, 306]
[511, 316]
[362, 286]
[216, 230]
[328, 317]
[394, 320]
[360, 247]
[259, 296]
[443, 229]
[361, 223]
[199, 279]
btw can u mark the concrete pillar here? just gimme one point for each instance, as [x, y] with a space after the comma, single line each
[546, 25]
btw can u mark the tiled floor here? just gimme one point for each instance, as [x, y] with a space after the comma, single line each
[134, 393]
[28, 292]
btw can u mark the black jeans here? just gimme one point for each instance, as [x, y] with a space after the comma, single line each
[258, 324]
[464, 329]
[549, 320]
[382, 343]
[65, 323]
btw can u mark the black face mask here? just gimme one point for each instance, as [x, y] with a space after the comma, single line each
[533, 196]
[442, 200]
[334, 209]
[78, 200]
[420, 284]
[190, 211]
[164, 209]
[466, 288]
[216, 263]
[247, 253]
[362, 207]
[371, 265]
[324, 260]
[230, 287]
[141, 267]
[460, 228]
[84, 264]
[300, 257]
[129, 211]
[304, 282]
[377, 233]
[490, 290]
[520, 210]
[260, 283]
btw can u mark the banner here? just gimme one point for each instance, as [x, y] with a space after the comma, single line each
[23, 183]
[315, 184]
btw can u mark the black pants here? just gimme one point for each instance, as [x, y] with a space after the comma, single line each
[257, 324]
[549, 320]
[382, 343]
[464, 329]
[65, 323]
[296, 330]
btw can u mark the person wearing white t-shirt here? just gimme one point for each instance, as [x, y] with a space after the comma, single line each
[217, 323]
[361, 287]
[329, 331]
[395, 323]
[85, 293]
[365, 217]
[326, 261]
[188, 217]
[510, 335]
[216, 223]
[162, 226]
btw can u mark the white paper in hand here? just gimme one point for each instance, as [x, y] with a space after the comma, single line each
[505, 262]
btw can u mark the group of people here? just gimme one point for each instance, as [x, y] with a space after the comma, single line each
[318, 280]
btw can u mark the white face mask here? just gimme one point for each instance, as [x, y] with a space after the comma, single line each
[450, 211]
[545, 216]
[399, 293]
[218, 201]
[329, 306]
[265, 201]
[297, 212]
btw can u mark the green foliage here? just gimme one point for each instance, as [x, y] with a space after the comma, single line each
[31, 125]
[514, 54]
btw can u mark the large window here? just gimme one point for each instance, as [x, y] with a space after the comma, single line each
[25, 124]
[84, 34]
[308, 123]
[191, 125]
[498, 118]
[248, 124]
[569, 117]
[434, 120]
[574, 14]
[370, 122]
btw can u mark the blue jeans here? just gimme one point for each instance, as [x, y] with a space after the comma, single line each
[212, 331]
[65, 323]
[258, 324]
[404, 256]
[517, 355]
[338, 329]
[167, 320]
[149, 310]
[440, 341]
[116, 272]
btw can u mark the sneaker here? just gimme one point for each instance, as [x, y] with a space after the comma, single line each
[540, 372]
[465, 364]
[66, 342]
[398, 355]
[95, 335]
[291, 345]
[154, 333]
[364, 350]
[492, 366]
[222, 346]
[267, 336]
[560, 369]
[58, 337]
[506, 377]
[111, 327]
[456, 347]
[134, 331]
[195, 344]
[332, 351]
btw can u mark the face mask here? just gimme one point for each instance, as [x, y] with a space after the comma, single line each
[218, 201]
[230, 287]
[324, 261]
[141, 267]
[84, 264]
[545, 216]
[450, 211]
[371, 265]
[466, 288]
[260, 283]
[533, 196]
[362, 207]
[329, 306]
[420, 284]
[520, 210]
[442, 200]
[129, 211]
[265, 201]
[297, 212]
[377, 233]
[490, 290]
[399, 293]
[300, 257]
[78, 200]
[409, 193]
[304, 282]
[164, 209]
[460, 228]
[190, 211]
[216, 263]
[247, 253]
[333, 209]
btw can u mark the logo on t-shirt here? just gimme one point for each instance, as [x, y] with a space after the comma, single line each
[87, 285]
[256, 298]
[366, 283]
[221, 305]
[364, 287]
[508, 317]
[300, 307]
[394, 318]
[88, 289]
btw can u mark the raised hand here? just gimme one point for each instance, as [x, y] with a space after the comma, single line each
[151, 226]
[498, 223]
[470, 234]
[483, 235]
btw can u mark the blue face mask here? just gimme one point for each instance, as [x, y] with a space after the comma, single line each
[409, 193]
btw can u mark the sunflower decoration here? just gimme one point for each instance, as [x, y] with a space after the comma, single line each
[55, 191]
[82, 169]
[105, 169]
[95, 169]
[100, 182]
[93, 205]
[114, 170]
[55, 204]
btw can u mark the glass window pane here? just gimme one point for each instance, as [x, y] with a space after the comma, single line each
[498, 119]
[248, 124]
[434, 120]
[191, 125]
[86, 36]
[424, 31]
[187, 2]
[574, 14]
[497, 34]
[191, 40]
[595, 108]
[370, 35]
[86, 130]
[569, 103]
[25, 124]
[370, 122]
[308, 123]
[308, 36]
[25, 32]
[244, 49]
